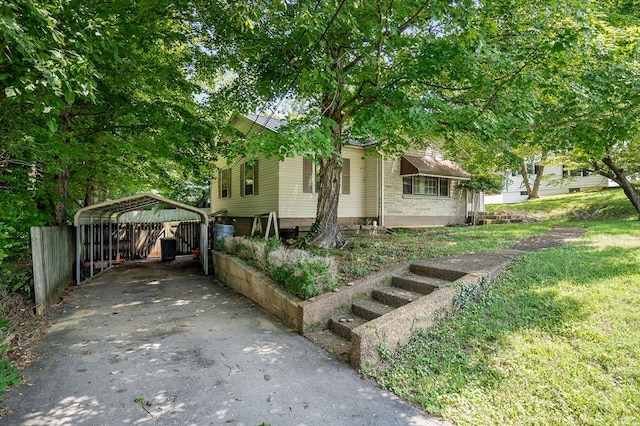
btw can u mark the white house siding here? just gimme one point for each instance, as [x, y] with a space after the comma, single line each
[299, 208]
[419, 210]
[250, 205]
[371, 185]
[552, 184]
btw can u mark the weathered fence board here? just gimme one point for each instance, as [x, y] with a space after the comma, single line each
[52, 251]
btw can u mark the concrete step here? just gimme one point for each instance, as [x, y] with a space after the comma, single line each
[332, 343]
[493, 221]
[494, 216]
[395, 296]
[343, 325]
[369, 309]
[417, 283]
[431, 271]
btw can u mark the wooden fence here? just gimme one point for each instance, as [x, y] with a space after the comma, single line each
[53, 252]
[139, 240]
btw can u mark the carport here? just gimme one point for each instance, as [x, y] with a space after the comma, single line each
[113, 214]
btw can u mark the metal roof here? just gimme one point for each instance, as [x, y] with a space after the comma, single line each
[413, 165]
[256, 123]
[109, 211]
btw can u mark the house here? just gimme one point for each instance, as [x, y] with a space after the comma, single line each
[556, 179]
[418, 189]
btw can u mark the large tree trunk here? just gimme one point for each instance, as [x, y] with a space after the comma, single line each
[58, 200]
[329, 235]
[535, 190]
[525, 178]
[90, 193]
[619, 177]
[326, 224]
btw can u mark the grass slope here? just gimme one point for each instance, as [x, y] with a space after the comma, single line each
[609, 204]
[553, 341]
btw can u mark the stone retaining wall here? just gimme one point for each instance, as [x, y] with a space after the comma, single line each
[253, 284]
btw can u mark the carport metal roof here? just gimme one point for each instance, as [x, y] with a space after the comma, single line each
[110, 210]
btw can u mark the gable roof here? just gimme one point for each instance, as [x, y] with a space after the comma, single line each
[255, 123]
[260, 123]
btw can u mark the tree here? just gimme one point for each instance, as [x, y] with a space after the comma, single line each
[396, 72]
[100, 99]
[97, 101]
[588, 109]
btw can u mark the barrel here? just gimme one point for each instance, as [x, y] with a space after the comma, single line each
[168, 248]
[220, 232]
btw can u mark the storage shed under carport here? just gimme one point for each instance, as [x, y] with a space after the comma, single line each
[115, 213]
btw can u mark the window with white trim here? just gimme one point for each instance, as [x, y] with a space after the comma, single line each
[249, 179]
[224, 183]
[425, 185]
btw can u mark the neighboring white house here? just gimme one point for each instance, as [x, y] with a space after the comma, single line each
[556, 180]
[418, 189]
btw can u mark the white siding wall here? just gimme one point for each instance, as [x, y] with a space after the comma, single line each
[294, 203]
[553, 183]
[267, 199]
[371, 187]
[419, 210]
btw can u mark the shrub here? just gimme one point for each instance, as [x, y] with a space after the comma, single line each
[9, 372]
[296, 270]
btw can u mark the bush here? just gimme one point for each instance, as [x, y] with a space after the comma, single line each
[296, 270]
[9, 372]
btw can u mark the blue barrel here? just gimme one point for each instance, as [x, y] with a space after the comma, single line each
[222, 231]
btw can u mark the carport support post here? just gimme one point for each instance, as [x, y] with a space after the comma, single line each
[91, 231]
[78, 252]
[101, 244]
[117, 235]
[204, 247]
[110, 242]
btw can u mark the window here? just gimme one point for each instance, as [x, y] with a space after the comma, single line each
[224, 183]
[575, 172]
[311, 176]
[425, 185]
[249, 179]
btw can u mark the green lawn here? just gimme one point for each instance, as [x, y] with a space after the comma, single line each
[364, 255]
[553, 341]
[609, 204]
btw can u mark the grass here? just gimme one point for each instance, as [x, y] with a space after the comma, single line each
[364, 255]
[553, 341]
[610, 204]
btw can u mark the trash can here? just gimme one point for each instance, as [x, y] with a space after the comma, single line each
[221, 231]
[168, 249]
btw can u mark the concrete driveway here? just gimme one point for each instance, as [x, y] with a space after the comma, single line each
[153, 343]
